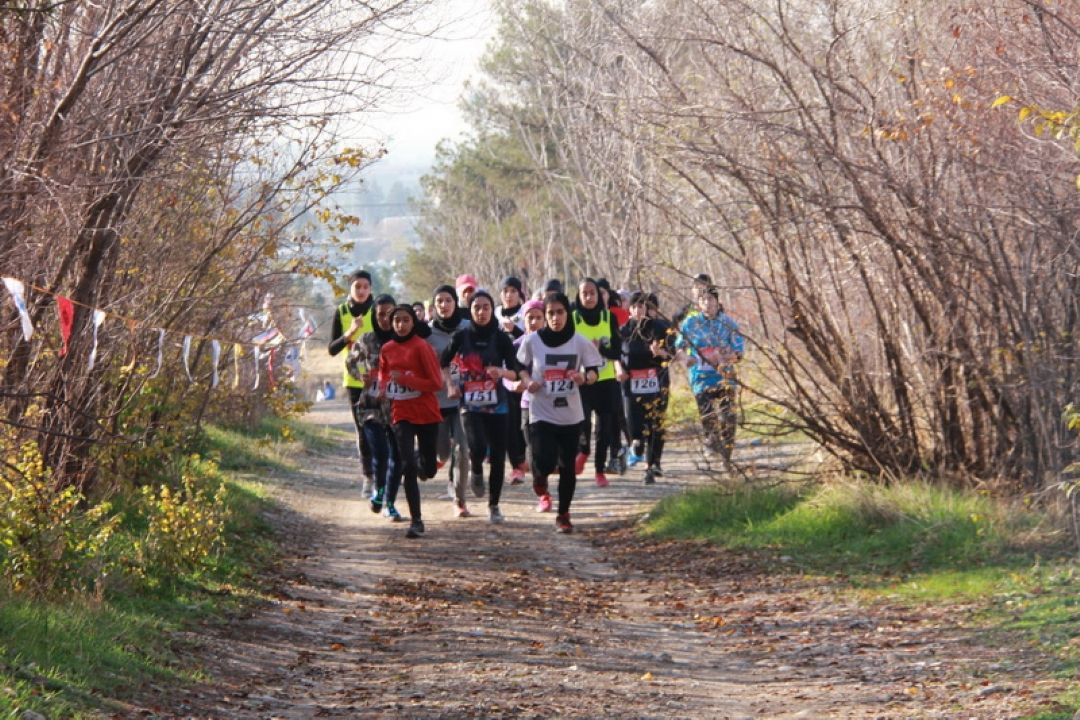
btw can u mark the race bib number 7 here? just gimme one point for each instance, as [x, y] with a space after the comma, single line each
[557, 382]
[480, 393]
[644, 382]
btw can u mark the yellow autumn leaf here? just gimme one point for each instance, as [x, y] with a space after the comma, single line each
[647, 677]
[1002, 99]
[1024, 112]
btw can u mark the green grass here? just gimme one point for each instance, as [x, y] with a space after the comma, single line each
[60, 658]
[858, 528]
[911, 543]
[271, 444]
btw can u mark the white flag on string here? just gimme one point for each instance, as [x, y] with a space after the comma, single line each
[18, 294]
[215, 354]
[187, 351]
[99, 317]
[160, 351]
[236, 365]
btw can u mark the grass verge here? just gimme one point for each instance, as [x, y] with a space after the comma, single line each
[80, 657]
[912, 543]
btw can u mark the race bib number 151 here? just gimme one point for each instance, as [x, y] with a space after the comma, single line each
[480, 393]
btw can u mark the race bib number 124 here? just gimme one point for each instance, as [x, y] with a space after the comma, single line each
[557, 382]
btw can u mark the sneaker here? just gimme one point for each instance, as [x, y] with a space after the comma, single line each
[632, 458]
[495, 516]
[579, 463]
[517, 476]
[392, 514]
[562, 524]
[416, 529]
[601, 480]
[618, 463]
[462, 511]
[478, 487]
[439, 465]
[544, 505]
[369, 485]
[650, 476]
[540, 486]
[377, 501]
[657, 471]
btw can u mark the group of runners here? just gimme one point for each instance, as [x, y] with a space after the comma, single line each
[480, 383]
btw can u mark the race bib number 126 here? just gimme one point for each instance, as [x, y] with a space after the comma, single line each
[644, 382]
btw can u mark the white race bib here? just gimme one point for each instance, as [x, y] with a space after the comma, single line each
[480, 393]
[557, 382]
[644, 382]
[394, 391]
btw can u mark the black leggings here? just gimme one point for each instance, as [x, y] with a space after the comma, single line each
[554, 446]
[355, 396]
[716, 405]
[647, 422]
[515, 441]
[487, 438]
[408, 435]
[601, 398]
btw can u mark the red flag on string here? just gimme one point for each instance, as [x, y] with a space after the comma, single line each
[66, 310]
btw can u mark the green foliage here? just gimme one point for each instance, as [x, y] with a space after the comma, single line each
[61, 658]
[186, 523]
[50, 543]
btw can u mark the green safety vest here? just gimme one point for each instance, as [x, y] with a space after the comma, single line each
[597, 332]
[366, 327]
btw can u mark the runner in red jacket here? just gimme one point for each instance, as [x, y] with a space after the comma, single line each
[409, 375]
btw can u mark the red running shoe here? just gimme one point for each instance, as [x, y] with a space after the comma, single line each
[545, 503]
[579, 463]
[562, 524]
[601, 480]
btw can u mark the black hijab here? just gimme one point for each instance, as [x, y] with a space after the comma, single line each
[483, 332]
[447, 325]
[381, 335]
[550, 337]
[416, 323]
[590, 316]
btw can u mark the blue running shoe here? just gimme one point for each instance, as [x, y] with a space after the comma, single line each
[377, 501]
[632, 458]
[392, 513]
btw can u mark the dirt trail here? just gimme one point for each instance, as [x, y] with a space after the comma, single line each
[516, 621]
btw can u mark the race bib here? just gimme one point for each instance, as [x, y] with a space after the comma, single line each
[394, 391]
[480, 393]
[557, 382]
[644, 382]
[711, 355]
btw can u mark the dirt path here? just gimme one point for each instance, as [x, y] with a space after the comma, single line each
[516, 621]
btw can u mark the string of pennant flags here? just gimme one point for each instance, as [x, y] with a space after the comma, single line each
[266, 343]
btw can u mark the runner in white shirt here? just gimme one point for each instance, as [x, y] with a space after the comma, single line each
[556, 362]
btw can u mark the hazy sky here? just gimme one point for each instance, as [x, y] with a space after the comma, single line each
[427, 113]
